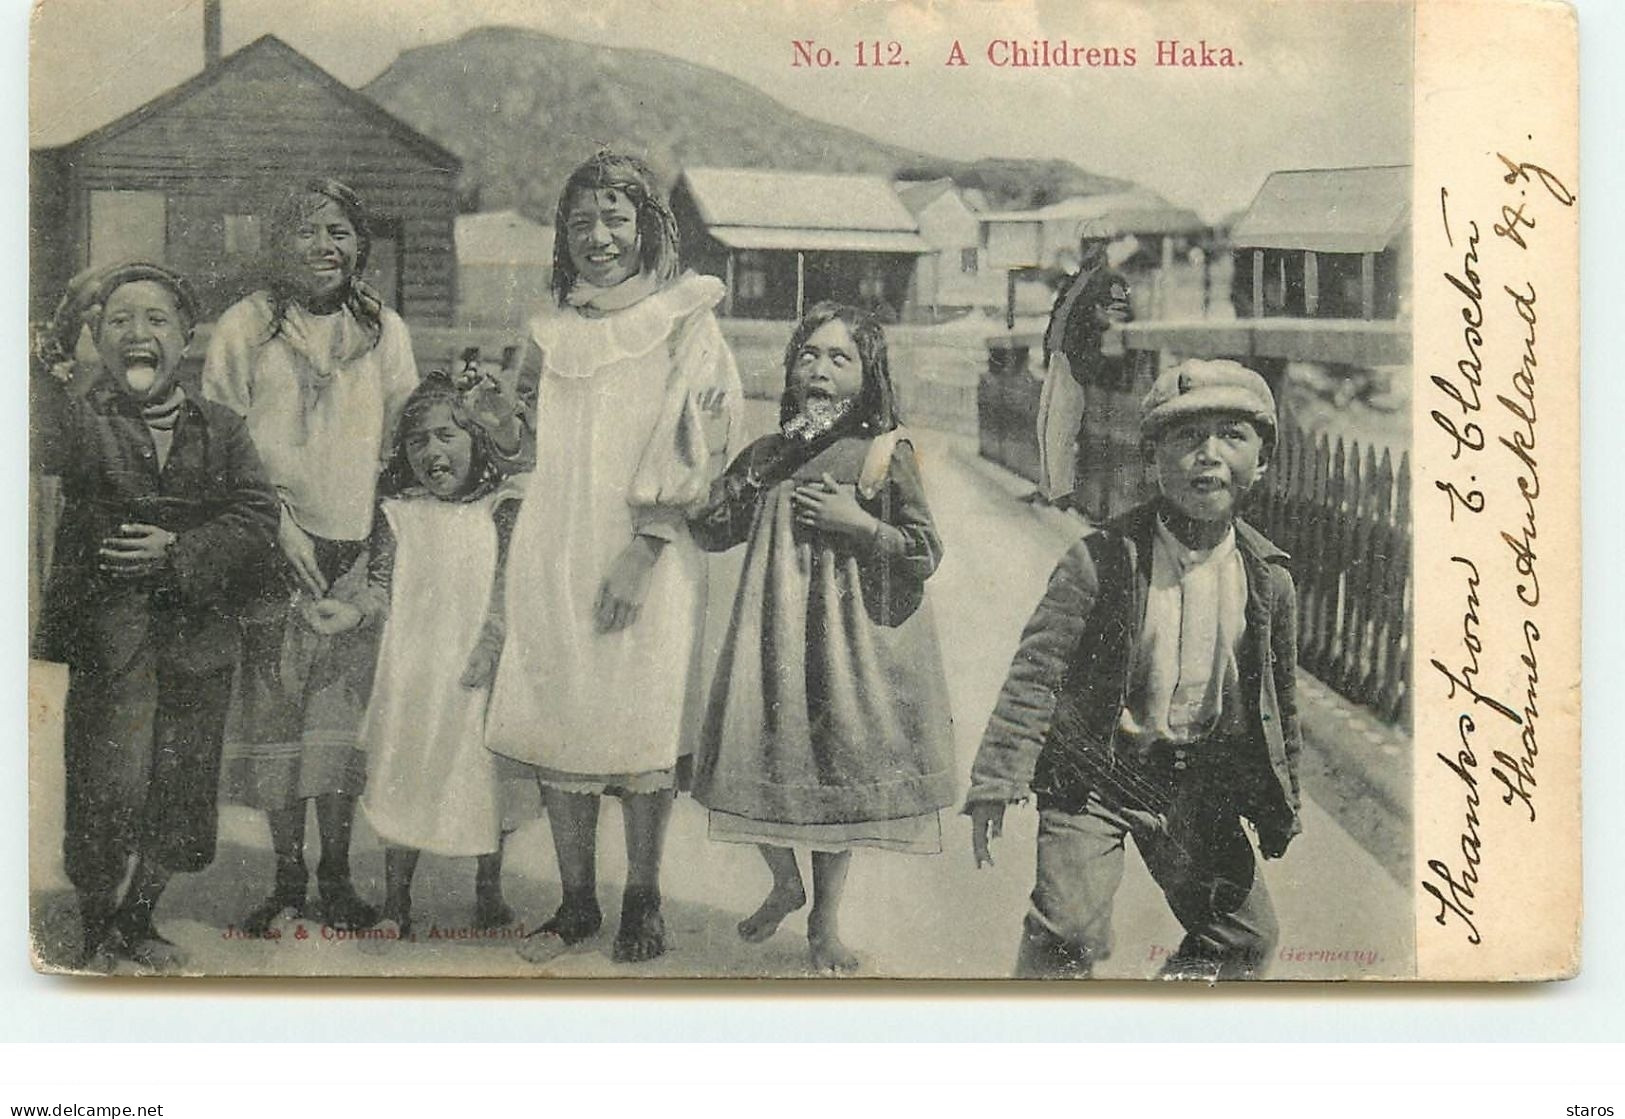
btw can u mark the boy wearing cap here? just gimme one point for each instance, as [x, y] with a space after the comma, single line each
[1153, 696]
[168, 522]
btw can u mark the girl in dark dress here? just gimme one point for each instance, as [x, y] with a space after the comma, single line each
[828, 726]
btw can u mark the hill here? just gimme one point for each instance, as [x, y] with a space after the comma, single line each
[521, 108]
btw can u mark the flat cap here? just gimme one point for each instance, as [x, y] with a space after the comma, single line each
[1197, 386]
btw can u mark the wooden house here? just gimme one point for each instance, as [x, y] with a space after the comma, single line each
[504, 264]
[1047, 238]
[188, 177]
[1325, 243]
[783, 240]
[954, 274]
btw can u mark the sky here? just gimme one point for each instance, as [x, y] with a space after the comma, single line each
[1323, 82]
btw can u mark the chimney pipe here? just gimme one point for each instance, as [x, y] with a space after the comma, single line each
[211, 34]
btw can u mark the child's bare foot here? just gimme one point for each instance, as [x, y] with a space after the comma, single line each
[389, 931]
[642, 935]
[578, 918]
[829, 956]
[491, 912]
[781, 901]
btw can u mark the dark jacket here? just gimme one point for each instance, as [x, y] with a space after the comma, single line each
[212, 493]
[1068, 684]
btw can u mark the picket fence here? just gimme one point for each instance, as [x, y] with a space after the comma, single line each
[1344, 515]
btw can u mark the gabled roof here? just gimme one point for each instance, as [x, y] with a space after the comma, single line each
[271, 46]
[502, 237]
[1110, 215]
[918, 195]
[794, 200]
[1329, 210]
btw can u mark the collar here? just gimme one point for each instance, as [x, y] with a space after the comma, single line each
[593, 299]
[1139, 525]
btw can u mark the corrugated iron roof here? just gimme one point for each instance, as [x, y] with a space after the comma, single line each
[502, 237]
[796, 200]
[1329, 210]
[820, 240]
[1111, 215]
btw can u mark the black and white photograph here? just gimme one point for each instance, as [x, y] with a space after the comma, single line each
[733, 490]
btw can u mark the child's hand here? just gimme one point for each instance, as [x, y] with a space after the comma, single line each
[137, 551]
[301, 553]
[826, 506]
[331, 616]
[493, 406]
[620, 598]
[714, 419]
[986, 825]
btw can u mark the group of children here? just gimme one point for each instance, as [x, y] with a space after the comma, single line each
[519, 592]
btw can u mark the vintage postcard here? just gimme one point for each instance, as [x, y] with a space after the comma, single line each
[955, 489]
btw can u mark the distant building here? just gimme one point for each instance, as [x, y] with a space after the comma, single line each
[783, 240]
[504, 265]
[953, 274]
[187, 178]
[1048, 237]
[1325, 243]
[1149, 234]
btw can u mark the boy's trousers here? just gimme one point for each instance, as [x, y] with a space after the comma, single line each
[1197, 853]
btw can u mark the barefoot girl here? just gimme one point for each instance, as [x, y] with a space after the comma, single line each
[605, 588]
[436, 553]
[828, 726]
[317, 366]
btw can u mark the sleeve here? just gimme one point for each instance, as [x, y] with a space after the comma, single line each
[725, 519]
[228, 366]
[397, 371]
[907, 538]
[1008, 755]
[221, 558]
[371, 596]
[50, 419]
[1284, 654]
[690, 444]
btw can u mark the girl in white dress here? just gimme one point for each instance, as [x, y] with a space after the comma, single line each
[435, 556]
[635, 392]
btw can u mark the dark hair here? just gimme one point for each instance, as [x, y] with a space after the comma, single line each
[135, 272]
[876, 408]
[657, 228]
[286, 217]
[437, 388]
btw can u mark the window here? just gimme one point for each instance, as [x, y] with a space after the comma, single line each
[242, 234]
[967, 261]
[750, 282]
[871, 284]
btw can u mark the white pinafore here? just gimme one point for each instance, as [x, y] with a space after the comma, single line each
[431, 783]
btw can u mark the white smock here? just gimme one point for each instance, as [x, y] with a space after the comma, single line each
[621, 449]
[431, 783]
